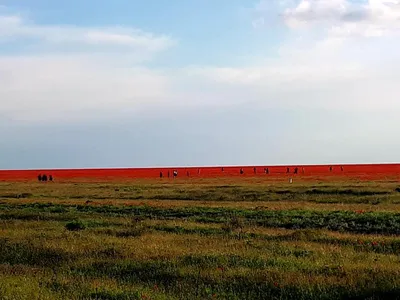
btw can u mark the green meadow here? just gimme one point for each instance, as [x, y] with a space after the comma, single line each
[200, 239]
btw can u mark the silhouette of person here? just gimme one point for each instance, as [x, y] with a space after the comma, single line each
[50, 177]
[40, 177]
[161, 175]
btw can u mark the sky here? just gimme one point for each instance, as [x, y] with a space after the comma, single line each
[129, 83]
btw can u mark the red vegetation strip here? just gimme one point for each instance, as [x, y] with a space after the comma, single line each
[362, 171]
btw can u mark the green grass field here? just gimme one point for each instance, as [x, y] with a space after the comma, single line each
[200, 239]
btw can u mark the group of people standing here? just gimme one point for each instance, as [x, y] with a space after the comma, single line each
[44, 178]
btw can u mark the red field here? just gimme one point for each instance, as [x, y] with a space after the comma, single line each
[361, 171]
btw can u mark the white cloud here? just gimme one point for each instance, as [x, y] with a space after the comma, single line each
[7, 22]
[273, 75]
[311, 75]
[102, 73]
[369, 19]
[66, 88]
[15, 28]
[324, 68]
[315, 10]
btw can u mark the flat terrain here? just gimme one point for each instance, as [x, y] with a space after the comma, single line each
[201, 238]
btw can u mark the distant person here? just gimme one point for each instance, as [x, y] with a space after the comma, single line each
[50, 177]
[44, 178]
[296, 170]
[267, 170]
[255, 170]
[222, 169]
[175, 173]
[198, 171]
[287, 170]
[302, 170]
[241, 171]
[161, 175]
[187, 174]
[330, 168]
[40, 177]
[341, 168]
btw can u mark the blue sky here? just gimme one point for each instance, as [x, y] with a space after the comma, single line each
[207, 31]
[156, 83]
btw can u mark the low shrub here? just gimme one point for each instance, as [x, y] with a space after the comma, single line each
[75, 225]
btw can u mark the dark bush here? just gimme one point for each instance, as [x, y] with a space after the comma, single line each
[75, 226]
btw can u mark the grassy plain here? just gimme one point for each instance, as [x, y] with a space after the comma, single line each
[200, 239]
